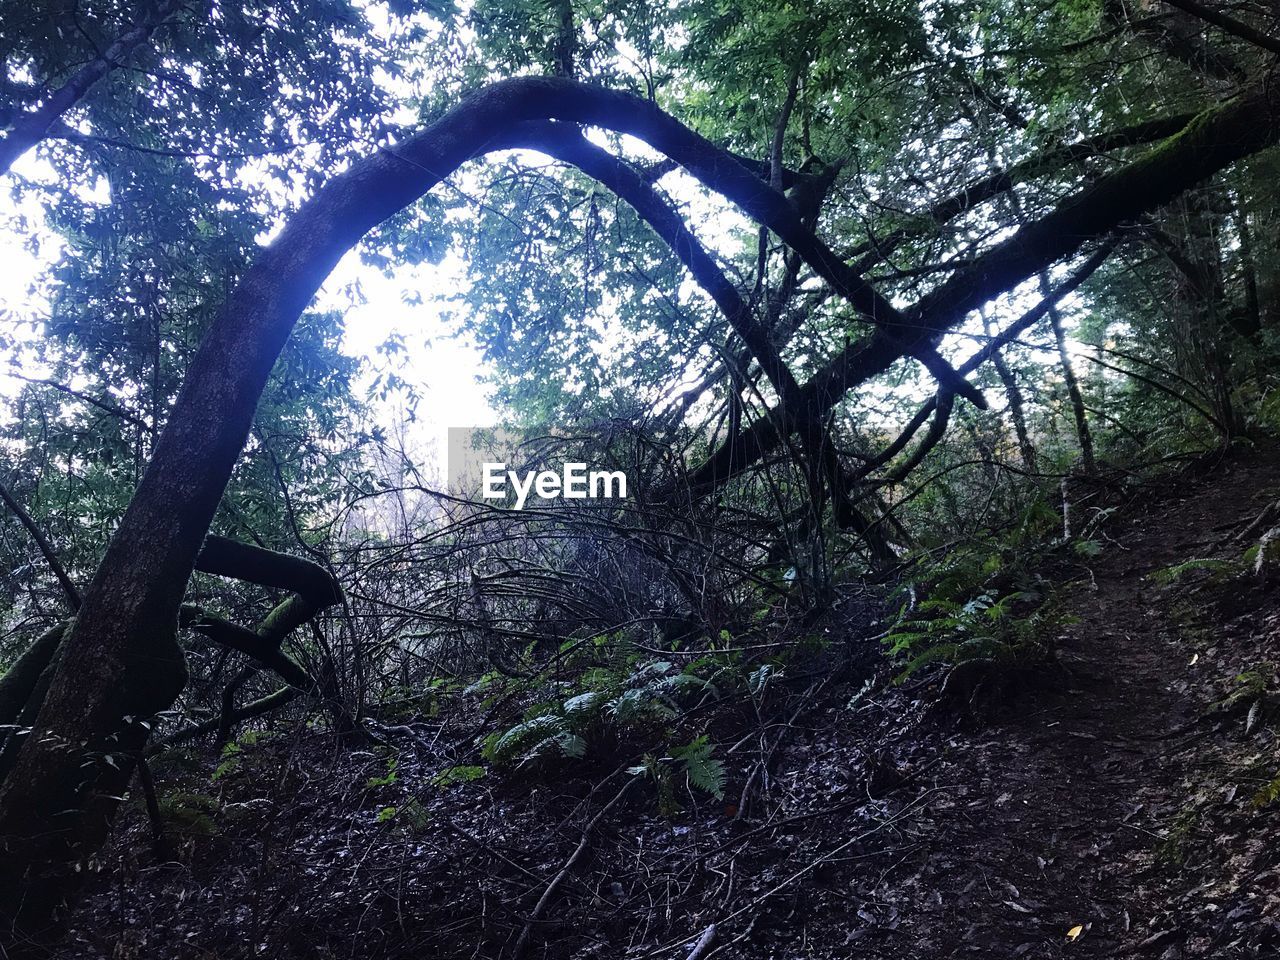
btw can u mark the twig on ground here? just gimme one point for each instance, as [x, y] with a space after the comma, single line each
[704, 943]
[522, 944]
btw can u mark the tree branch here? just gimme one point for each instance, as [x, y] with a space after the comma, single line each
[1230, 24]
[1216, 138]
[29, 128]
[45, 547]
[102, 405]
[140, 581]
[987, 188]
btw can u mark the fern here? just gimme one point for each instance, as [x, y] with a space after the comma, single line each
[413, 817]
[968, 622]
[527, 738]
[700, 769]
[760, 679]
[1250, 685]
[570, 744]
[1269, 794]
[934, 654]
[630, 698]
[1087, 548]
[230, 762]
[1212, 565]
[583, 704]
[651, 766]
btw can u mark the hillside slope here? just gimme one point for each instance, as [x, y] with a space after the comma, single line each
[1111, 813]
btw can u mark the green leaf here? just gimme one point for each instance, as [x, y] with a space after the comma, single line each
[459, 774]
[703, 772]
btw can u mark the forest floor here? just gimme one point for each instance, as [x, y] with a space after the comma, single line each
[1110, 814]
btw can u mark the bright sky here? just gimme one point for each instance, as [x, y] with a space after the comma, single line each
[444, 370]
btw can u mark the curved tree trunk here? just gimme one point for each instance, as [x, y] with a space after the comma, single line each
[121, 661]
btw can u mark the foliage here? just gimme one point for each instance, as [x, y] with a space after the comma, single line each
[1268, 794]
[387, 779]
[693, 762]
[458, 774]
[1250, 685]
[1176, 843]
[233, 754]
[412, 816]
[1217, 568]
[615, 703]
[701, 770]
[982, 601]
[191, 814]
[587, 635]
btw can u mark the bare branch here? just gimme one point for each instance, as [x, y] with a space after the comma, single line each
[1230, 24]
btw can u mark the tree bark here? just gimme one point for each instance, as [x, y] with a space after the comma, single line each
[24, 691]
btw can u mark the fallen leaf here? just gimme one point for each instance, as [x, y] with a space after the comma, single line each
[1074, 933]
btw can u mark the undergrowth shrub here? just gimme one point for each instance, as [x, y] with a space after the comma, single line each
[626, 705]
[694, 763]
[1216, 569]
[979, 604]
[607, 706]
[189, 814]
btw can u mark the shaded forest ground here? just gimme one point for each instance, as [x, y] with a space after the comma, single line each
[1119, 799]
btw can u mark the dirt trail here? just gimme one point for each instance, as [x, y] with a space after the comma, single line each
[1070, 815]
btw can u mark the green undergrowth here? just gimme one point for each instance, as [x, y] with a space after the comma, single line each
[997, 599]
[186, 814]
[614, 702]
[1208, 591]
[1215, 569]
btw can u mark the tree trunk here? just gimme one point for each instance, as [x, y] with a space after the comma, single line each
[1083, 433]
[1017, 411]
[121, 661]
